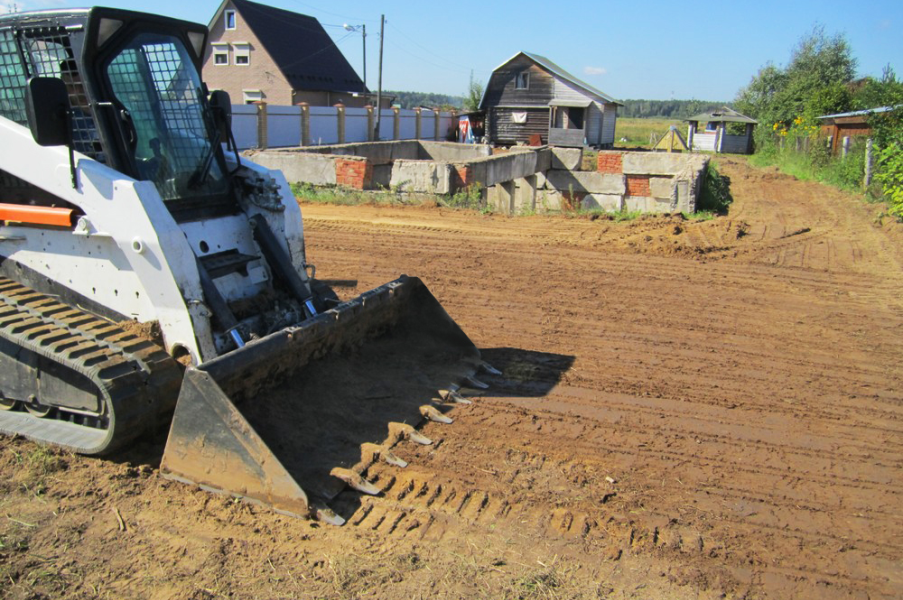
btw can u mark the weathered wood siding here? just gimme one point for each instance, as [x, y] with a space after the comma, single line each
[503, 129]
[500, 90]
[735, 144]
[704, 142]
[610, 117]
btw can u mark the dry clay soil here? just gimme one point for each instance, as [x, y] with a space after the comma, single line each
[686, 410]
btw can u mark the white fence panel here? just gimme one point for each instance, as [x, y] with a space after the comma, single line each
[356, 125]
[244, 125]
[427, 125]
[323, 125]
[407, 124]
[446, 123]
[387, 125]
[704, 141]
[283, 126]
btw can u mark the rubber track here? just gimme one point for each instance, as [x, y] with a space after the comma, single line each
[135, 377]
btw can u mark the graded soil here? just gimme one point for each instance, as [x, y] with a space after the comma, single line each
[687, 409]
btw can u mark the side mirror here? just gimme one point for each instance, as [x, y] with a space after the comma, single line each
[46, 107]
[221, 105]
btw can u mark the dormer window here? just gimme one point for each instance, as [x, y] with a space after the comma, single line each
[522, 81]
[230, 19]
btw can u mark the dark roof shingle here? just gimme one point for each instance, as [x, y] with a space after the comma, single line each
[303, 51]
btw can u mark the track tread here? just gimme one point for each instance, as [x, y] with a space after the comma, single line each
[134, 376]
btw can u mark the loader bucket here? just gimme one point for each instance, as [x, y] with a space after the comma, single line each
[290, 419]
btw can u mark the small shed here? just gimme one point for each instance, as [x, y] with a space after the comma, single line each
[714, 137]
[529, 98]
[848, 125]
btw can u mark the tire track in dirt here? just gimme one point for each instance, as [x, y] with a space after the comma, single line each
[744, 396]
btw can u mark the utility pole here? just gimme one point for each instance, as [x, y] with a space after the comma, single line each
[379, 90]
[364, 37]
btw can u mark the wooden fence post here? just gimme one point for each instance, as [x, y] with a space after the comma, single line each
[846, 146]
[262, 125]
[305, 124]
[868, 163]
[340, 122]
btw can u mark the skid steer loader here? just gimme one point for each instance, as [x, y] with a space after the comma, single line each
[148, 272]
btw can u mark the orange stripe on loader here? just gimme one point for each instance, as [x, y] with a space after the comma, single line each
[37, 215]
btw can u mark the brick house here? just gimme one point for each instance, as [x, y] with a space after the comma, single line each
[261, 53]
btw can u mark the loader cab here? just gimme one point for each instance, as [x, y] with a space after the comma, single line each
[148, 71]
[136, 98]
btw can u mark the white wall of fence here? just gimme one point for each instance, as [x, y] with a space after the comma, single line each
[266, 126]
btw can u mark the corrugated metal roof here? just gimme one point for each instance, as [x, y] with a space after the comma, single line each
[857, 113]
[724, 114]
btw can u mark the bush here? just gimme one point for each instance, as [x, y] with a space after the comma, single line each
[716, 192]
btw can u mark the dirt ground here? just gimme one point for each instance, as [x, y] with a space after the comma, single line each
[687, 410]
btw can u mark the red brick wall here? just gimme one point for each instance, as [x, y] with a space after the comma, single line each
[609, 162]
[353, 173]
[463, 177]
[638, 185]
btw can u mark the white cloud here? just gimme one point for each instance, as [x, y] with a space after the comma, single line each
[595, 70]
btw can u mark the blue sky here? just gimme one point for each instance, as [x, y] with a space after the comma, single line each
[652, 49]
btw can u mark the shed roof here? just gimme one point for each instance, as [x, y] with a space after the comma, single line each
[300, 47]
[862, 113]
[722, 115]
[560, 73]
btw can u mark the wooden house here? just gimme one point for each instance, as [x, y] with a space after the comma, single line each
[714, 137]
[530, 99]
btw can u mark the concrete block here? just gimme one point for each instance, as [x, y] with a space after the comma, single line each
[525, 195]
[315, 169]
[648, 205]
[606, 202]
[586, 181]
[661, 187]
[566, 158]
[421, 176]
[500, 197]
[654, 163]
[548, 200]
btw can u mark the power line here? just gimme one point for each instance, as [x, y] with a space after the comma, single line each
[420, 58]
[407, 37]
[316, 8]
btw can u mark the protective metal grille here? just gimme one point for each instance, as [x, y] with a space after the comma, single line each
[47, 53]
[12, 80]
[171, 101]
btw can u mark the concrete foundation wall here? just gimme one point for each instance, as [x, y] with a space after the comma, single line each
[521, 180]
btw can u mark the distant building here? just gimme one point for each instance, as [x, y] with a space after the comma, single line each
[849, 124]
[260, 53]
[714, 136]
[530, 99]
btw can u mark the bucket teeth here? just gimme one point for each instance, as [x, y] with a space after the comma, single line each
[453, 397]
[434, 414]
[383, 453]
[403, 430]
[489, 368]
[355, 481]
[474, 382]
[326, 515]
[391, 458]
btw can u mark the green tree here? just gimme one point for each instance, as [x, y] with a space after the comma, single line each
[474, 95]
[819, 66]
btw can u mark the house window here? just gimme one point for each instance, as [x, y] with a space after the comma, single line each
[522, 82]
[252, 96]
[241, 53]
[230, 19]
[220, 54]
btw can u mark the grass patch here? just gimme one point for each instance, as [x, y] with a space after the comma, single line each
[470, 197]
[638, 131]
[818, 165]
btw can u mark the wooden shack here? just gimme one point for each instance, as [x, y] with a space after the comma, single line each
[529, 97]
[714, 137]
[849, 125]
